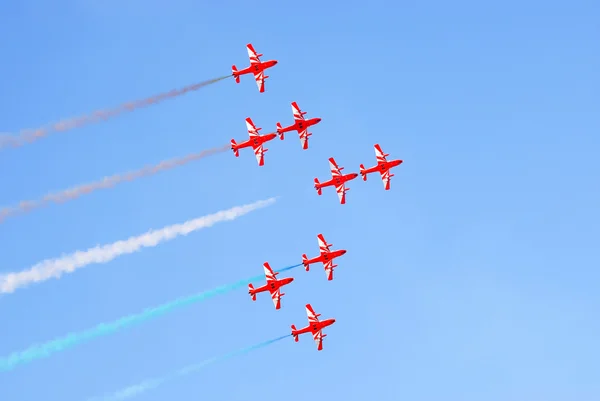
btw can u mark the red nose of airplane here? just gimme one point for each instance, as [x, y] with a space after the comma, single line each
[318, 120]
[332, 320]
[343, 251]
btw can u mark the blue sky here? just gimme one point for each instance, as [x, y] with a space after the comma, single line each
[475, 277]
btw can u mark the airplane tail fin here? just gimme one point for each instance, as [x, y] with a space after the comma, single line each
[293, 331]
[234, 148]
[280, 131]
[304, 260]
[234, 71]
[251, 292]
[362, 172]
[317, 187]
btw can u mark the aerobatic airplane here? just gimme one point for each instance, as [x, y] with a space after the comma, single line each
[300, 124]
[383, 166]
[256, 141]
[326, 257]
[314, 326]
[273, 286]
[256, 67]
[337, 179]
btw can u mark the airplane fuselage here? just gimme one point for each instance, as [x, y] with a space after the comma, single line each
[301, 125]
[326, 256]
[383, 166]
[314, 327]
[338, 180]
[257, 67]
[257, 141]
[273, 285]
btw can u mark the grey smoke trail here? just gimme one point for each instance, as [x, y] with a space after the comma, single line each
[106, 182]
[28, 136]
[55, 268]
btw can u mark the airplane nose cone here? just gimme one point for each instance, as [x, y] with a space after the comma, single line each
[319, 120]
[333, 320]
[344, 252]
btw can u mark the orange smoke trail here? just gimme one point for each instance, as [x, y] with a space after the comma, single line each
[107, 182]
[28, 136]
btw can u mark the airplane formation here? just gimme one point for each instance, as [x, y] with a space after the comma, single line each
[273, 286]
[338, 180]
[301, 125]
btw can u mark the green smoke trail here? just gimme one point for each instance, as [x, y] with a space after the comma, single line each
[150, 384]
[61, 344]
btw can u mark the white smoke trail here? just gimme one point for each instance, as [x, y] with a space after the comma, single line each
[106, 182]
[55, 268]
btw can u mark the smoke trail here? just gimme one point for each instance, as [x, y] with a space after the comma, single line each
[150, 384]
[55, 268]
[28, 136]
[106, 182]
[46, 349]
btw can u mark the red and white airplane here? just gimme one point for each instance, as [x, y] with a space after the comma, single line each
[326, 257]
[256, 141]
[383, 166]
[273, 286]
[300, 124]
[314, 326]
[337, 179]
[256, 67]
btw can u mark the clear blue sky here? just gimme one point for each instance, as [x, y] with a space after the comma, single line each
[474, 278]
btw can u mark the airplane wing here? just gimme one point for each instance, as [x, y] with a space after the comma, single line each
[323, 245]
[329, 269]
[259, 77]
[318, 337]
[298, 114]
[259, 152]
[252, 54]
[341, 191]
[304, 138]
[335, 170]
[276, 297]
[381, 158]
[386, 178]
[252, 130]
[269, 274]
[379, 155]
[312, 316]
